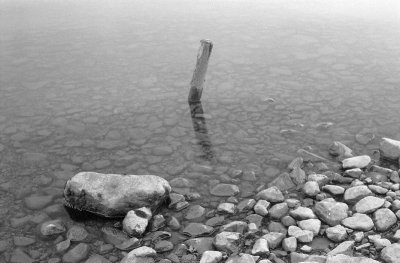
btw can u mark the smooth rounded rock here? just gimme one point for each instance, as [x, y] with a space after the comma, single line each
[384, 218]
[311, 188]
[227, 241]
[368, 204]
[114, 195]
[76, 254]
[331, 212]
[356, 193]
[271, 194]
[358, 222]
[361, 161]
[391, 254]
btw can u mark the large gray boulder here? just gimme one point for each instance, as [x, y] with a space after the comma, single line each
[113, 195]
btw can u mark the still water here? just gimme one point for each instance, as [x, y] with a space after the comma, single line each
[102, 86]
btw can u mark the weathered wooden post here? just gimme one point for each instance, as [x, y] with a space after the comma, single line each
[199, 74]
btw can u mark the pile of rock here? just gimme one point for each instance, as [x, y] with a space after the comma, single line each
[349, 215]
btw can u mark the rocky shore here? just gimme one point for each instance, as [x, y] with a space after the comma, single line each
[345, 209]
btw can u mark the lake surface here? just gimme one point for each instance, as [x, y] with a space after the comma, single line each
[103, 86]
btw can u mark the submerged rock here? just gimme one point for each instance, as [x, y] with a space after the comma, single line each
[136, 221]
[340, 150]
[113, 195]
[225, 190]
[390, 149]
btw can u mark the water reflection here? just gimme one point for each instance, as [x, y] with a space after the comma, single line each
[200, 129]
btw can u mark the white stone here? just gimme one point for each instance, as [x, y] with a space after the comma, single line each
[361, 161]
[211, 257]
[260, 247]
[390, 149]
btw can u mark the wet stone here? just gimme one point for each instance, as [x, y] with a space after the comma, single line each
[345, 248]
[197, 229]
[311, 188]
[163, 246]
[77, 233]
[289, 244]
[356, 162]
[313, 225]
[194, 212]
[114, 236]
[200, 244]
[53, 227]
[235, 226]
[37, 202]
[274, 239]
[225, 190]
[136, 221]
[173, 223]
[19, 256]
[63, 246]
[260, 247]
[21, 241]
[333, 189]
[128, 244]
[301, 235]
[272, 194]
[228, 208]
[246, 205]
[215, 221]
[227, 241]
[302, 213]
[76, 254]
[97, 259]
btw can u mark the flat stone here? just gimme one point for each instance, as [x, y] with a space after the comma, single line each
[349, 259]
[19, 256]
[129, 244]
[283, 182]
[391, 254]
[378, 189]
[356, 193]
[114, 195]
[235, 226]
[361, 161]
[358, 222]
[368, 204]
[302, 213]
[384, 219]
[77, 233]
[336, 233]
[228, 208]
[163, 246]
[299, 257]
[194, 212]
[114, 236]
[197, 229]
[95, 258]
[143, 251]
[200, 244]
[271, 194]
[136, 221]
[38, 202]
[227, 241]
[76, 254]
[353, 173]
[211, 257]
[345, 248]
[225, 190]
[246, 205]
[242, 258]
[333, 189]
[390, 149]
[21, 241]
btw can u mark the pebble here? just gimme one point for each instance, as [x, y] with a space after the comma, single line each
[274, 239]
[19, 256]
[311, 188]
[52, 227]
[391, 253]
[211, 257]
[246, 205]
[21, 241]
[384, 218]
[279, 210]
[260, 247]
[368, 204]
[38, 202]
[76, 254]
[271, 194]
[136, 221]
[143, 251]
[197, 229]
[390, 149]
[227, 241]
[261, 207]
[235, 226]
[194, 212]
[356, 193]
[358, 222]
[302, 213]
[95, 258]
[289, 244]
[77, 233]
[336, 233]
[200, 244]
[163, 246]
[314, 225]
[127, 244]
[356, 162]
[333, 189]
[226, 208]
[345, 248]
[225, 190]
[301, 235]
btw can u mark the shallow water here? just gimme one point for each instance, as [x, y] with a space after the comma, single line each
[103, 87]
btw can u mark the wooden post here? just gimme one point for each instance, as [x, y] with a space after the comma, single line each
[199, 74]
